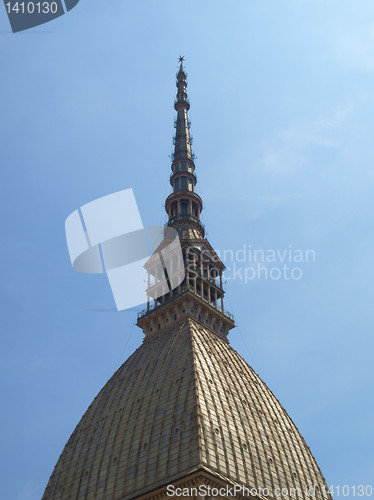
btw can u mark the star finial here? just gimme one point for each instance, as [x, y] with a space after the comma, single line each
[181, 59]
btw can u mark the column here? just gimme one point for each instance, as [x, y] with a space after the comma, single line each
[180, 286]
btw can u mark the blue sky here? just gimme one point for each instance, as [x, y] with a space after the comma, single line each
[282, 117]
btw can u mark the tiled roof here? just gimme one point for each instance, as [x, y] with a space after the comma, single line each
[184, 401]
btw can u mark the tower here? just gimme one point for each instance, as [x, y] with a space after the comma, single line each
[201, 293]
[185, 413]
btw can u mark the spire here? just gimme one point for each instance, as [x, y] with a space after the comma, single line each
[182, 140]
[200, 294]
[183, 206]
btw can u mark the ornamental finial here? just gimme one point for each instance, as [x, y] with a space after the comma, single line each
[181, 59]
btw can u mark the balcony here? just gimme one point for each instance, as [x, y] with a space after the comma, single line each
[184, 194]
[183, 155]
[170, 297]
[189, 172]
[176, 101]
[185, 217]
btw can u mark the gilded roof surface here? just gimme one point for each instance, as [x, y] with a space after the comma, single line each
[185, 400]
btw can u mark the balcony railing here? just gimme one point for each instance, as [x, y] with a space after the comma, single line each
[182, 100]
[153, 307]
[188, 173]
[185, 217]
[187, 194]
[188, 156]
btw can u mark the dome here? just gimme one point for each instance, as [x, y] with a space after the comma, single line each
[184, 406]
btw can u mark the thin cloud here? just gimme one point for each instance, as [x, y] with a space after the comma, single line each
[356, 49]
